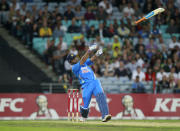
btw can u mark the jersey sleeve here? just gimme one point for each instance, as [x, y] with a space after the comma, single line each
[88, 62]
[76, 68]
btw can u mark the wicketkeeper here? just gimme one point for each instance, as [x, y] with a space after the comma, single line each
[90, 84]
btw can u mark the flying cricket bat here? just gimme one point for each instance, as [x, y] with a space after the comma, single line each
[151, 14]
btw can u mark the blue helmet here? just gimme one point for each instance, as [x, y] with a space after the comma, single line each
[70, 57]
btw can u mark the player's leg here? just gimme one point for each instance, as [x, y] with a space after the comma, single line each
[86, 96]
[101, 100]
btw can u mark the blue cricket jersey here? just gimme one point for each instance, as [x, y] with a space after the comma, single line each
[83, 72]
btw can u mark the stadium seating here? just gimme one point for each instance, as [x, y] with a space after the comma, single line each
[121, 85]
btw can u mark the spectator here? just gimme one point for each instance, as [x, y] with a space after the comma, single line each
[58, 56]
[84, 27]
[139, 73]
[172, 84]
[168, 65]
[35, 30]
[106, 6]
[172, 28]
[144, 31]
[45, 30]
[123, 31]
[133, 33]
[69, 14]
[99, 41]
[127, 46]
[173, 44]
[151, 48]
[121, 71]
[132, 65]
[23, 9]
[137, 86]
[101, 14]
[90, 3]
[149, 75]
[101, 31]
[11, 14]
[14, 23]
[97, 70]
[89, 15]
[116, 43]
[34, 11]
[116, 52]
[116, 63]
[136, 9]
[15, 4]
[74, 3]
[68, 67]
[161, 44]
[73, 50]
[128, 11]
[109, 50]
[111, 31]
[173, 73]
[28, 32]
[177, 66]
[115, 24]
[4, 6]
[138, 44]
[109, 70]
[176, 57]
[147, 6]
[79, 14]
[48, 53]
[159, 20]
[155, 32]
[140, 61]
[91, 32]
[62, 44]
[58, 30]
[162, 84]
[73, 28]
[121, 4]
[160, 74]
[80, 44]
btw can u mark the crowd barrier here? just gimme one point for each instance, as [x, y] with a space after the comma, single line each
[121, 106]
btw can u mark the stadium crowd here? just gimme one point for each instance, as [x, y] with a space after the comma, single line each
[150, 57]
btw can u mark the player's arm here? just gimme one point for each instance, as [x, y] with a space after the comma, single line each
[86, 55]
[98, 53]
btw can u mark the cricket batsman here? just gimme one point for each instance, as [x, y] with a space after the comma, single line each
[90, 84]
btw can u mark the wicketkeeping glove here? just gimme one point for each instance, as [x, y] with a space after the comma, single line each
[99, 52]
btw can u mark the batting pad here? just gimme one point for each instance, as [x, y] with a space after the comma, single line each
[101, 100]
[84, 112]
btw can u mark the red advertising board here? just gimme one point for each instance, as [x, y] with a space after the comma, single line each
[54, 106]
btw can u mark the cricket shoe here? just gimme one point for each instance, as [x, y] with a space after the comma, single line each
[82, 119]
[106, 118]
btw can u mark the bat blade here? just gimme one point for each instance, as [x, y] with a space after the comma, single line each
[151, 14]
[154, 12]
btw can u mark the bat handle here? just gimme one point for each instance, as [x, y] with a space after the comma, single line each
[142, 19]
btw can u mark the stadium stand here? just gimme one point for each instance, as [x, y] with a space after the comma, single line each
[154, 51]
[14, 65]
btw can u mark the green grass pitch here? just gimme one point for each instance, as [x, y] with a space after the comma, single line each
[114, 125]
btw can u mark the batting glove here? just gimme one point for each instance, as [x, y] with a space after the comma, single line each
[99, 52]
[92, 47]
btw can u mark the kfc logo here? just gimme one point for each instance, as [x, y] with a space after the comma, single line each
[11, 104]
[129, 110]
[162, 104]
